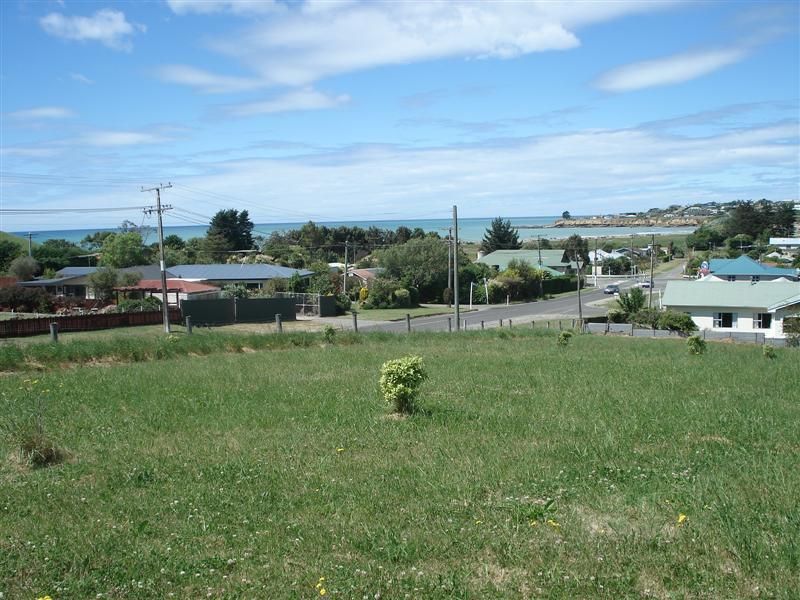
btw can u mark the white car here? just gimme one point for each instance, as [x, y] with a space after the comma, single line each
[645, 284]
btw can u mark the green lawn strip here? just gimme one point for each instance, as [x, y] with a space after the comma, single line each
[398, 314]
[254, 475]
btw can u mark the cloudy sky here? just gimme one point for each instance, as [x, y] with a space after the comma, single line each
[345, 110]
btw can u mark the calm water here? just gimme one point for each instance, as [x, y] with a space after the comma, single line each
[469, 230]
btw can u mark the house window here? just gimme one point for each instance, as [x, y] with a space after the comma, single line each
[755, 278]
[731, 277]
[762, 321]
[724, 320]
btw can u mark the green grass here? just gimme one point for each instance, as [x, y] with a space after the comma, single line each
[533, 471]
[398, 314]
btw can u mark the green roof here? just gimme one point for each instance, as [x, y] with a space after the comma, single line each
[551, 259]
[730, 294]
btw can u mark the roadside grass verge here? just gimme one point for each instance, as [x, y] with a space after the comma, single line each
[398, 314]
[608, 468]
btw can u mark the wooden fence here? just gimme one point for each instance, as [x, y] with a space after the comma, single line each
[38, 326]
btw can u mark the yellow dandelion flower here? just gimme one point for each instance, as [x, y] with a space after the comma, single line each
[340, 449]
[322, 592]
[553, 524]
[534, 523]
[478, 522]
[682, 519]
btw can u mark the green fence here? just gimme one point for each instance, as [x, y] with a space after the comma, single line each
[238, 310]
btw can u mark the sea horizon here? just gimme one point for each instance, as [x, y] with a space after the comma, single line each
[469, 229]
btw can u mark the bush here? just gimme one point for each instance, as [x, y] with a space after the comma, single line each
[402, 298]
[617, 316]
[363, 294]
[768, 351]
[343, 303]
[329, 333]
[563, 338]
[676, 321]
[696, 344]
[144, 305]
[35, 447]
[400, 380]
[24, 299]
[646, 317]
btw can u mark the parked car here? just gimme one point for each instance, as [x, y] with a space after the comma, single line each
[611, 288]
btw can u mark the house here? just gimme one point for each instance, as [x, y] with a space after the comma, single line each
[551, 261]
[600, 256]
[745, 268]
[178, 290]
[741, 306]
[252, 276]
[73, 282]
[363, 277]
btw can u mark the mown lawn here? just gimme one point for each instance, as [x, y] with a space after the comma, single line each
[612, 468]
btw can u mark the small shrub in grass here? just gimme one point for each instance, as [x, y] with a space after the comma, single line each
[329, 333]
[768, 351]
[400, 381]
[563, 338]
[35, 447]
[696, 344]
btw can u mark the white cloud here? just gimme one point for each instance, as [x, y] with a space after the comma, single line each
[669, 70]
[297, 100]
[41, 112]
[206, 82]
[319, 39]
[241, 7]
[591, 171]
[107, 26]
[80, 78]
[120, 138]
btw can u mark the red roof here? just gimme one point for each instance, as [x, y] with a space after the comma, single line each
[173, 285]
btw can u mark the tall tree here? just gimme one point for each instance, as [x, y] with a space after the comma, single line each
[576, 248]
[784, 219]
[9, 250]
[23, 268]
[500, 236]
[234, 227]
[123, 250]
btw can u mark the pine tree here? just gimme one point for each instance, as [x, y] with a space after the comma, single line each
[500, 236]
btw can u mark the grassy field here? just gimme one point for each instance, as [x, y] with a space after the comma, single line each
[612, 468]
[398, 314]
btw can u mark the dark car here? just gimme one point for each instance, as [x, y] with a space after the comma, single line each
[611, 288]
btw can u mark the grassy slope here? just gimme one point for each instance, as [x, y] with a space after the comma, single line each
[22, 242]
[253, 475]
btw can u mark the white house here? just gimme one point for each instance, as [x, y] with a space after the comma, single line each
[736, 305]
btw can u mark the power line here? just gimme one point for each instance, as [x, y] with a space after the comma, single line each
[48, 211]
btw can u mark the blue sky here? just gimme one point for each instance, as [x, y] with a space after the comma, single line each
[345, 110]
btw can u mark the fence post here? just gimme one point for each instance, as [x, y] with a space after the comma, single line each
[548, 324]
[631, 329]
[408, 323]
[188, 325]
[355, 321]
[509, 323]
[278, 322]
[533, 324]
[559, 324]
[501, 322]
[450, 324]
[482, 325]
[704, 334]
[465, 324]
[573, 323]
[54, 332]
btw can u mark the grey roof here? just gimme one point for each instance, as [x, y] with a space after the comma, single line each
[730, 294]
[146, 271]
[49, 282]
[235, 272]
[501, 258]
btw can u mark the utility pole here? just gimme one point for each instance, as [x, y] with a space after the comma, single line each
[539, 248]
[159, 209]
[30, 244]
[580, 304]
[652, 268]
[633, 271]
[594, 262]
[450, 264]
[455, 268]
[344, 281]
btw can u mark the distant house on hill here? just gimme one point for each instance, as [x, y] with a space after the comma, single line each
[364, 277]
[745, 268]
[735, 306]
[551, 261]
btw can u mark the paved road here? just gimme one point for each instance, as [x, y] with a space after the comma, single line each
[594, 302]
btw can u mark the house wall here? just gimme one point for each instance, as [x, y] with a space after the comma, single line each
[704, 319]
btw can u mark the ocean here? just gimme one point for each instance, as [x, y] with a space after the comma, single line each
[469, 230]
